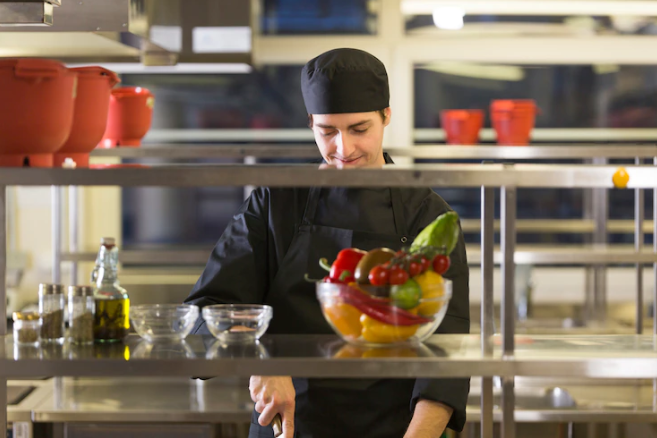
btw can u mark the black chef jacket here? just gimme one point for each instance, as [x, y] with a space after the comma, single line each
[244, 264]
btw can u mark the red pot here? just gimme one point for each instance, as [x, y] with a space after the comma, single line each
[513, 121]
[462, 126]
[130, 117]
[90, 115]
[36, 110]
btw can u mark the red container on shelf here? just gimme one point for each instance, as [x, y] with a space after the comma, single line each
[462, 126]
[130, 117]
[90, 116]
[36, 110]
[513, 121]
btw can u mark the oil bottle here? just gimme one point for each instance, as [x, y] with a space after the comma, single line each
[112, 305]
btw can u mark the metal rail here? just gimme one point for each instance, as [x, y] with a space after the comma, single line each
[524, 254]
[417, 175]
[438, 152]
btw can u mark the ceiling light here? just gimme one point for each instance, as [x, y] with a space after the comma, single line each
[448, 17]
[535, 7]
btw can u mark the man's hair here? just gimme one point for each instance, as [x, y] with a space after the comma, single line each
[382, 113]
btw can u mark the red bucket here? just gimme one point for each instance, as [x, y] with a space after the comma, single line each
[513, 121]
[90, 117]
[130, 117]
[462, 126]
[36, 110]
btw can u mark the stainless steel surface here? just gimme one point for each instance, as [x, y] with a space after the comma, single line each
[654, 266]
[612, 356]
[73, 226]
[508, 241]
[639, 215]
[487, 268]
[417, 175]
[144, 400]
[93, 31]
[486, 405]
[20, 13]
[3, 299]
[524, 254]
[508, 408]
[56, 229]
[565, 226]
[487, 304]
[597, 296]
[191, 151]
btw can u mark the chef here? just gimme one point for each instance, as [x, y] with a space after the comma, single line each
[279, 234]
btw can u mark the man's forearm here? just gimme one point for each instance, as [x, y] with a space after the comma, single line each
[429, 420]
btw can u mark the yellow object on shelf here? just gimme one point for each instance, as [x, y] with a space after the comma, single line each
[621, 178]
[380, 333]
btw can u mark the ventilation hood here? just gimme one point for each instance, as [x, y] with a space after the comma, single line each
[153, 32]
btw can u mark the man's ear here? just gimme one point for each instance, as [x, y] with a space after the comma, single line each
[388, 113]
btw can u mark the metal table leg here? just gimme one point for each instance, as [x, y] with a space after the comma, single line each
[508, 240]
[600, 214]
[73, 225]
[56, 227]
[639, 214]
[3, 301]
[487, 305]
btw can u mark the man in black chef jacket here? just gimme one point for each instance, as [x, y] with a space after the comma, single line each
[279, 234]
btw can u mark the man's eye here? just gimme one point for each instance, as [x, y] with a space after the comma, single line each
[327, 134]
[360, 131]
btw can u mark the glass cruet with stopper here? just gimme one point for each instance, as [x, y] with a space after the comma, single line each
[111, 315]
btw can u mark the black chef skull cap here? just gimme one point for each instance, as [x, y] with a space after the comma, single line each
[344, 81]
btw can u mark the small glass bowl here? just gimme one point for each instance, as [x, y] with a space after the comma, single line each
[237, 323]
[163, 322]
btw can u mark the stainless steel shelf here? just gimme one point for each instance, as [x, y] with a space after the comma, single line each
[617, 356]
[419, 175]
[444, 152]
[569, 226]
[525, 254]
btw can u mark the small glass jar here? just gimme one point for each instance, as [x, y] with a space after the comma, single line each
[27, 328]
[81, 308]
[51, 308]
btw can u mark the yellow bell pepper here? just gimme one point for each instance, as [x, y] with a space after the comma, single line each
[345, 318]
[380, 333]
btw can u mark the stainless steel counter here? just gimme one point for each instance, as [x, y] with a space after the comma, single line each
[605, 356]
[176, 400]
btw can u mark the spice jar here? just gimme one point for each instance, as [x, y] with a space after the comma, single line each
[27, 328]
[51, 309]
[81, 310]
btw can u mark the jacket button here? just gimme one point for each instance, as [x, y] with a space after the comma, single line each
[404, 239]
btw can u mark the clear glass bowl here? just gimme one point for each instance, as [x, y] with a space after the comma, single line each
[365, 316]
[237, 323]
[163, 322]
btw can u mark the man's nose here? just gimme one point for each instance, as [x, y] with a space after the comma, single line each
[344, 145]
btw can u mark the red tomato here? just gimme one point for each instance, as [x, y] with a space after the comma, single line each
[414, 268]
[378, 276]
[397, 275]
[441, 264]
[425, 263]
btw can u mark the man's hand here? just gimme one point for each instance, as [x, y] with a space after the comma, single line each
[274, 395]
[429, 420]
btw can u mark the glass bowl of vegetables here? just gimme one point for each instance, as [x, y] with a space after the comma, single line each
[384, 316]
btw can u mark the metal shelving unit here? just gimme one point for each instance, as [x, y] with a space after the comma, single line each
[454, 355]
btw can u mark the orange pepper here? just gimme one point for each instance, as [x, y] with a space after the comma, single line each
[345, 318]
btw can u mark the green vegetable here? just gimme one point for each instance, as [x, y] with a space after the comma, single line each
[443, 232]
[407, 295]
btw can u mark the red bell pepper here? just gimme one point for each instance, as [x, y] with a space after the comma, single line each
[378, 309]
[343, 268]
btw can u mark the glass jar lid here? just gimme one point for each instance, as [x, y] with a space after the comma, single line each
[50, 289]
[80, 291]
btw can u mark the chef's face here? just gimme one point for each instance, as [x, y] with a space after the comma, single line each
[351, 140]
